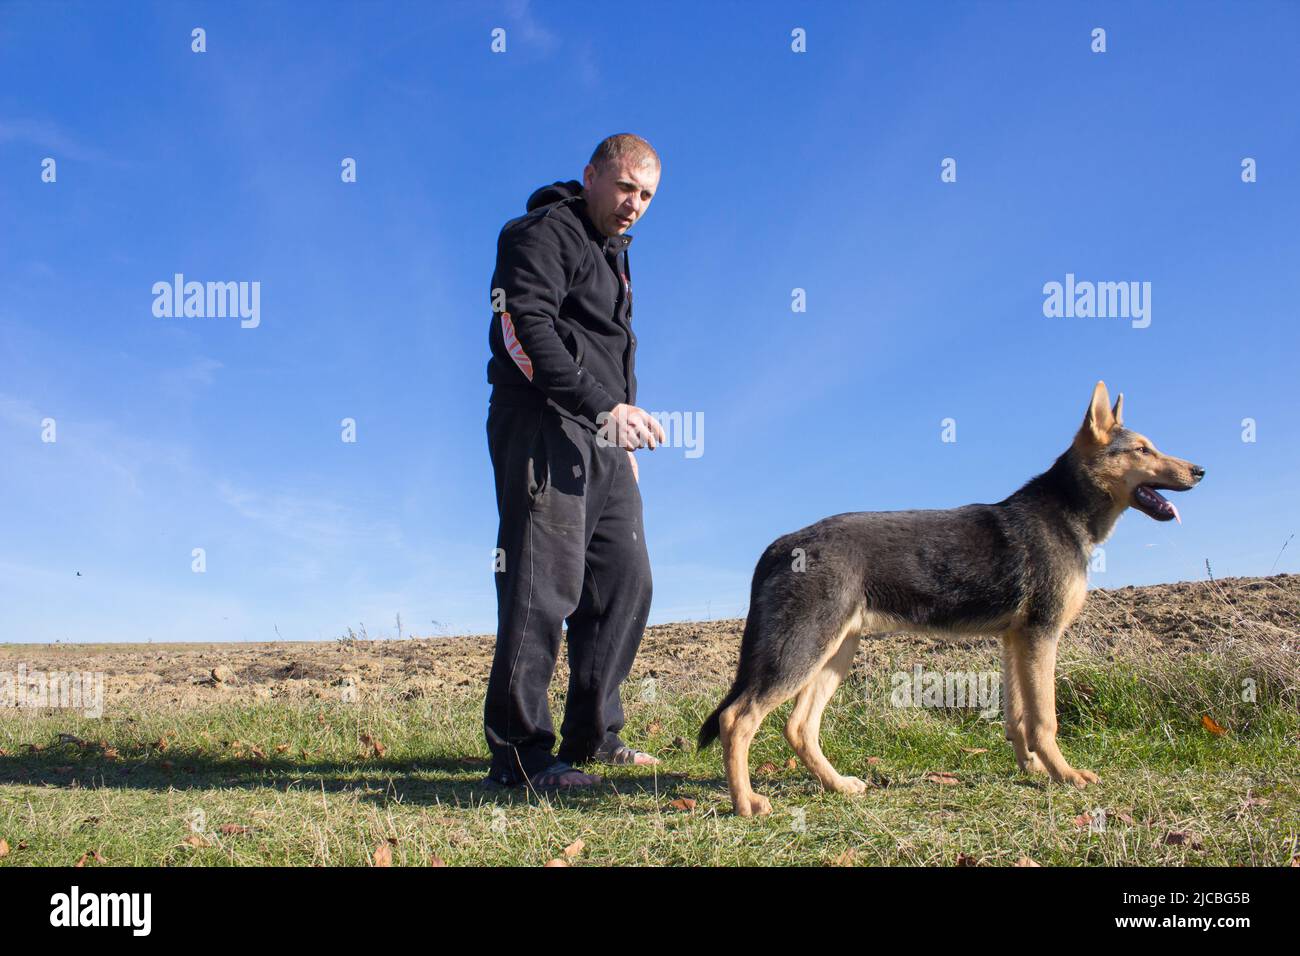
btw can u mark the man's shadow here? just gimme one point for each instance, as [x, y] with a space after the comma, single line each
[458, 781]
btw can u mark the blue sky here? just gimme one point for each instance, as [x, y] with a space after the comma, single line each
[782, 170]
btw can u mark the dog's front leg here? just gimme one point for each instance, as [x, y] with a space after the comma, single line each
[1013, 707]
[1034, 664]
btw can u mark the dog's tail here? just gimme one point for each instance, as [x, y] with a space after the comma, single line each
[709, 730]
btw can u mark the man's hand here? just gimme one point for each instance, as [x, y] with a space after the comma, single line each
[636, 474]
[630, 427]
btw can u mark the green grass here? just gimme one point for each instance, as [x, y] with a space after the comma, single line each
[319, 795]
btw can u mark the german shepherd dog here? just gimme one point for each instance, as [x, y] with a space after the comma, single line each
[1017, 569]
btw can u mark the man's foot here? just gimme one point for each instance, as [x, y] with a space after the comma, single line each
[563, 776]
[558, 776]
[623, 755]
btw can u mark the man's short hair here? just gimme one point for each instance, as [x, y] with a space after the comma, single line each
[614, 149]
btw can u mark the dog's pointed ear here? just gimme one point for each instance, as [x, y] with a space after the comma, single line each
[1117, 413]
[1098, 421]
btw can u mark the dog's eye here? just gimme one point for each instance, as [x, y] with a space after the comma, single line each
[1143, 450]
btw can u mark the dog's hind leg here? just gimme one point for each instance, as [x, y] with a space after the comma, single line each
[1013, 707]
[737, 724]
[1036, 666]
[792, 666]
[803, 728]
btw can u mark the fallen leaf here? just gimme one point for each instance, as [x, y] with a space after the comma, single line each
[4, 847]
[436, 860]
[383, 855]
[1026, 861]
[281, 748]
[162, 743]
[556, 862]
[1083, 820]
[943, 778]
[873, 760]
[768, 768]
[1123, 816]
[1209, 724]
[1181, 838]
[573, 849]
[685, 804]
[195, 841]
[976, 750]
[846, 858]
[232, 829]
[964, 860]
[792, 764]
[653, 728]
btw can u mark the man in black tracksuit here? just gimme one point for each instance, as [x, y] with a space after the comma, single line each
[562, 425]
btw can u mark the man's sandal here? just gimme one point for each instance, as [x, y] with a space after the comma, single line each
[558, 776]
[623, 755]
[563, 776]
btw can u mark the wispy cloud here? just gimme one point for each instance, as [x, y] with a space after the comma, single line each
[588, 70]
[521, 20]
[321, 522]
[48, 136]
[187, 380]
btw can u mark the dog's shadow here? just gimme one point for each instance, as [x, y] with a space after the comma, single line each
[452, 782]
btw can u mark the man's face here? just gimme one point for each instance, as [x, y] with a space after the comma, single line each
[619, 194]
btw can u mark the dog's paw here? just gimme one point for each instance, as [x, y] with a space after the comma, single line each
[1078, 778]
[1031, 764]
[850, 785]
[756, 806]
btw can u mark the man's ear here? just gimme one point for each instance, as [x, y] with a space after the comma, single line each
[1099, 419]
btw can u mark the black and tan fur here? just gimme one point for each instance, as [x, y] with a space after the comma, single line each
[1017, 569]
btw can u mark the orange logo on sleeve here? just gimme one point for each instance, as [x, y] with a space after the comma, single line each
[514, 348]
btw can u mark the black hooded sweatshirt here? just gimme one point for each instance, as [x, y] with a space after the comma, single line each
[561, 331]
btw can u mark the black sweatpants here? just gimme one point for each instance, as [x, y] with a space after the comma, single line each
[570, 547]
